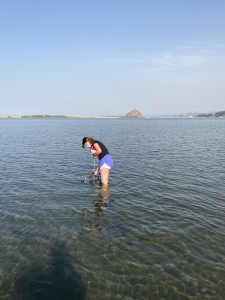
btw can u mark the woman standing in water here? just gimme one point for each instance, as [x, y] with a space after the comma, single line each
[105, 160]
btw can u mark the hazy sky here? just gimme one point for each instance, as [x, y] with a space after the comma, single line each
[109, 57]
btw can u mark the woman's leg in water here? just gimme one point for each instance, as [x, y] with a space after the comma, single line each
[104, 175]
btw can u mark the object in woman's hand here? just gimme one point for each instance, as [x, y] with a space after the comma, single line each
[92, 150]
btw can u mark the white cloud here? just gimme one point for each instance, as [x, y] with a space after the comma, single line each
[186, 59]
[192, 56]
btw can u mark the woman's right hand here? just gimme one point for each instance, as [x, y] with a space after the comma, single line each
[96, 173]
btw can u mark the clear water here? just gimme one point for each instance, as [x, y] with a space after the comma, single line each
[158, 232]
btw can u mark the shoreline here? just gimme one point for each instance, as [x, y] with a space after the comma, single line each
[94, 117]
[52, 116]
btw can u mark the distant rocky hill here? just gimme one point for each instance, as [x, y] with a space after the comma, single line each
[220, 114]
[134, 114]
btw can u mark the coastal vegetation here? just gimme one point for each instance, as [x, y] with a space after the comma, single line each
[205, 116]
[220, 114]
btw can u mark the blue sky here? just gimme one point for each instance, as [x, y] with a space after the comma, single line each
[109, 57]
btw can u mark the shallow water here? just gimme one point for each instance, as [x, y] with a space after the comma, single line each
[158, 232]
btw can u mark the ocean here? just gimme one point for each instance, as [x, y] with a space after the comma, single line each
[157, 231]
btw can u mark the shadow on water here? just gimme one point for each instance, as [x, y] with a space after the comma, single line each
[54, 279]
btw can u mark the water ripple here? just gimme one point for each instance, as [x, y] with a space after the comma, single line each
[157, 233]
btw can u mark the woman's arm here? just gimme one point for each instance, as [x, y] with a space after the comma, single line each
[97, 170]
[98, 150]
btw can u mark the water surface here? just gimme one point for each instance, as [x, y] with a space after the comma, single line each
[158, 232]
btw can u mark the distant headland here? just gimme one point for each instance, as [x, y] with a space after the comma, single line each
[219, 114]
[132, 114]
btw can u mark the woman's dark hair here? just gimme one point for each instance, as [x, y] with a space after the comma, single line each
[87, 139]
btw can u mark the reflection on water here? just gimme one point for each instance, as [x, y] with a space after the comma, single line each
[104, 198]
[157, 231]
[101, 203]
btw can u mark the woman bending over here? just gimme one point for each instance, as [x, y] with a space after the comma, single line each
[105, 160]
